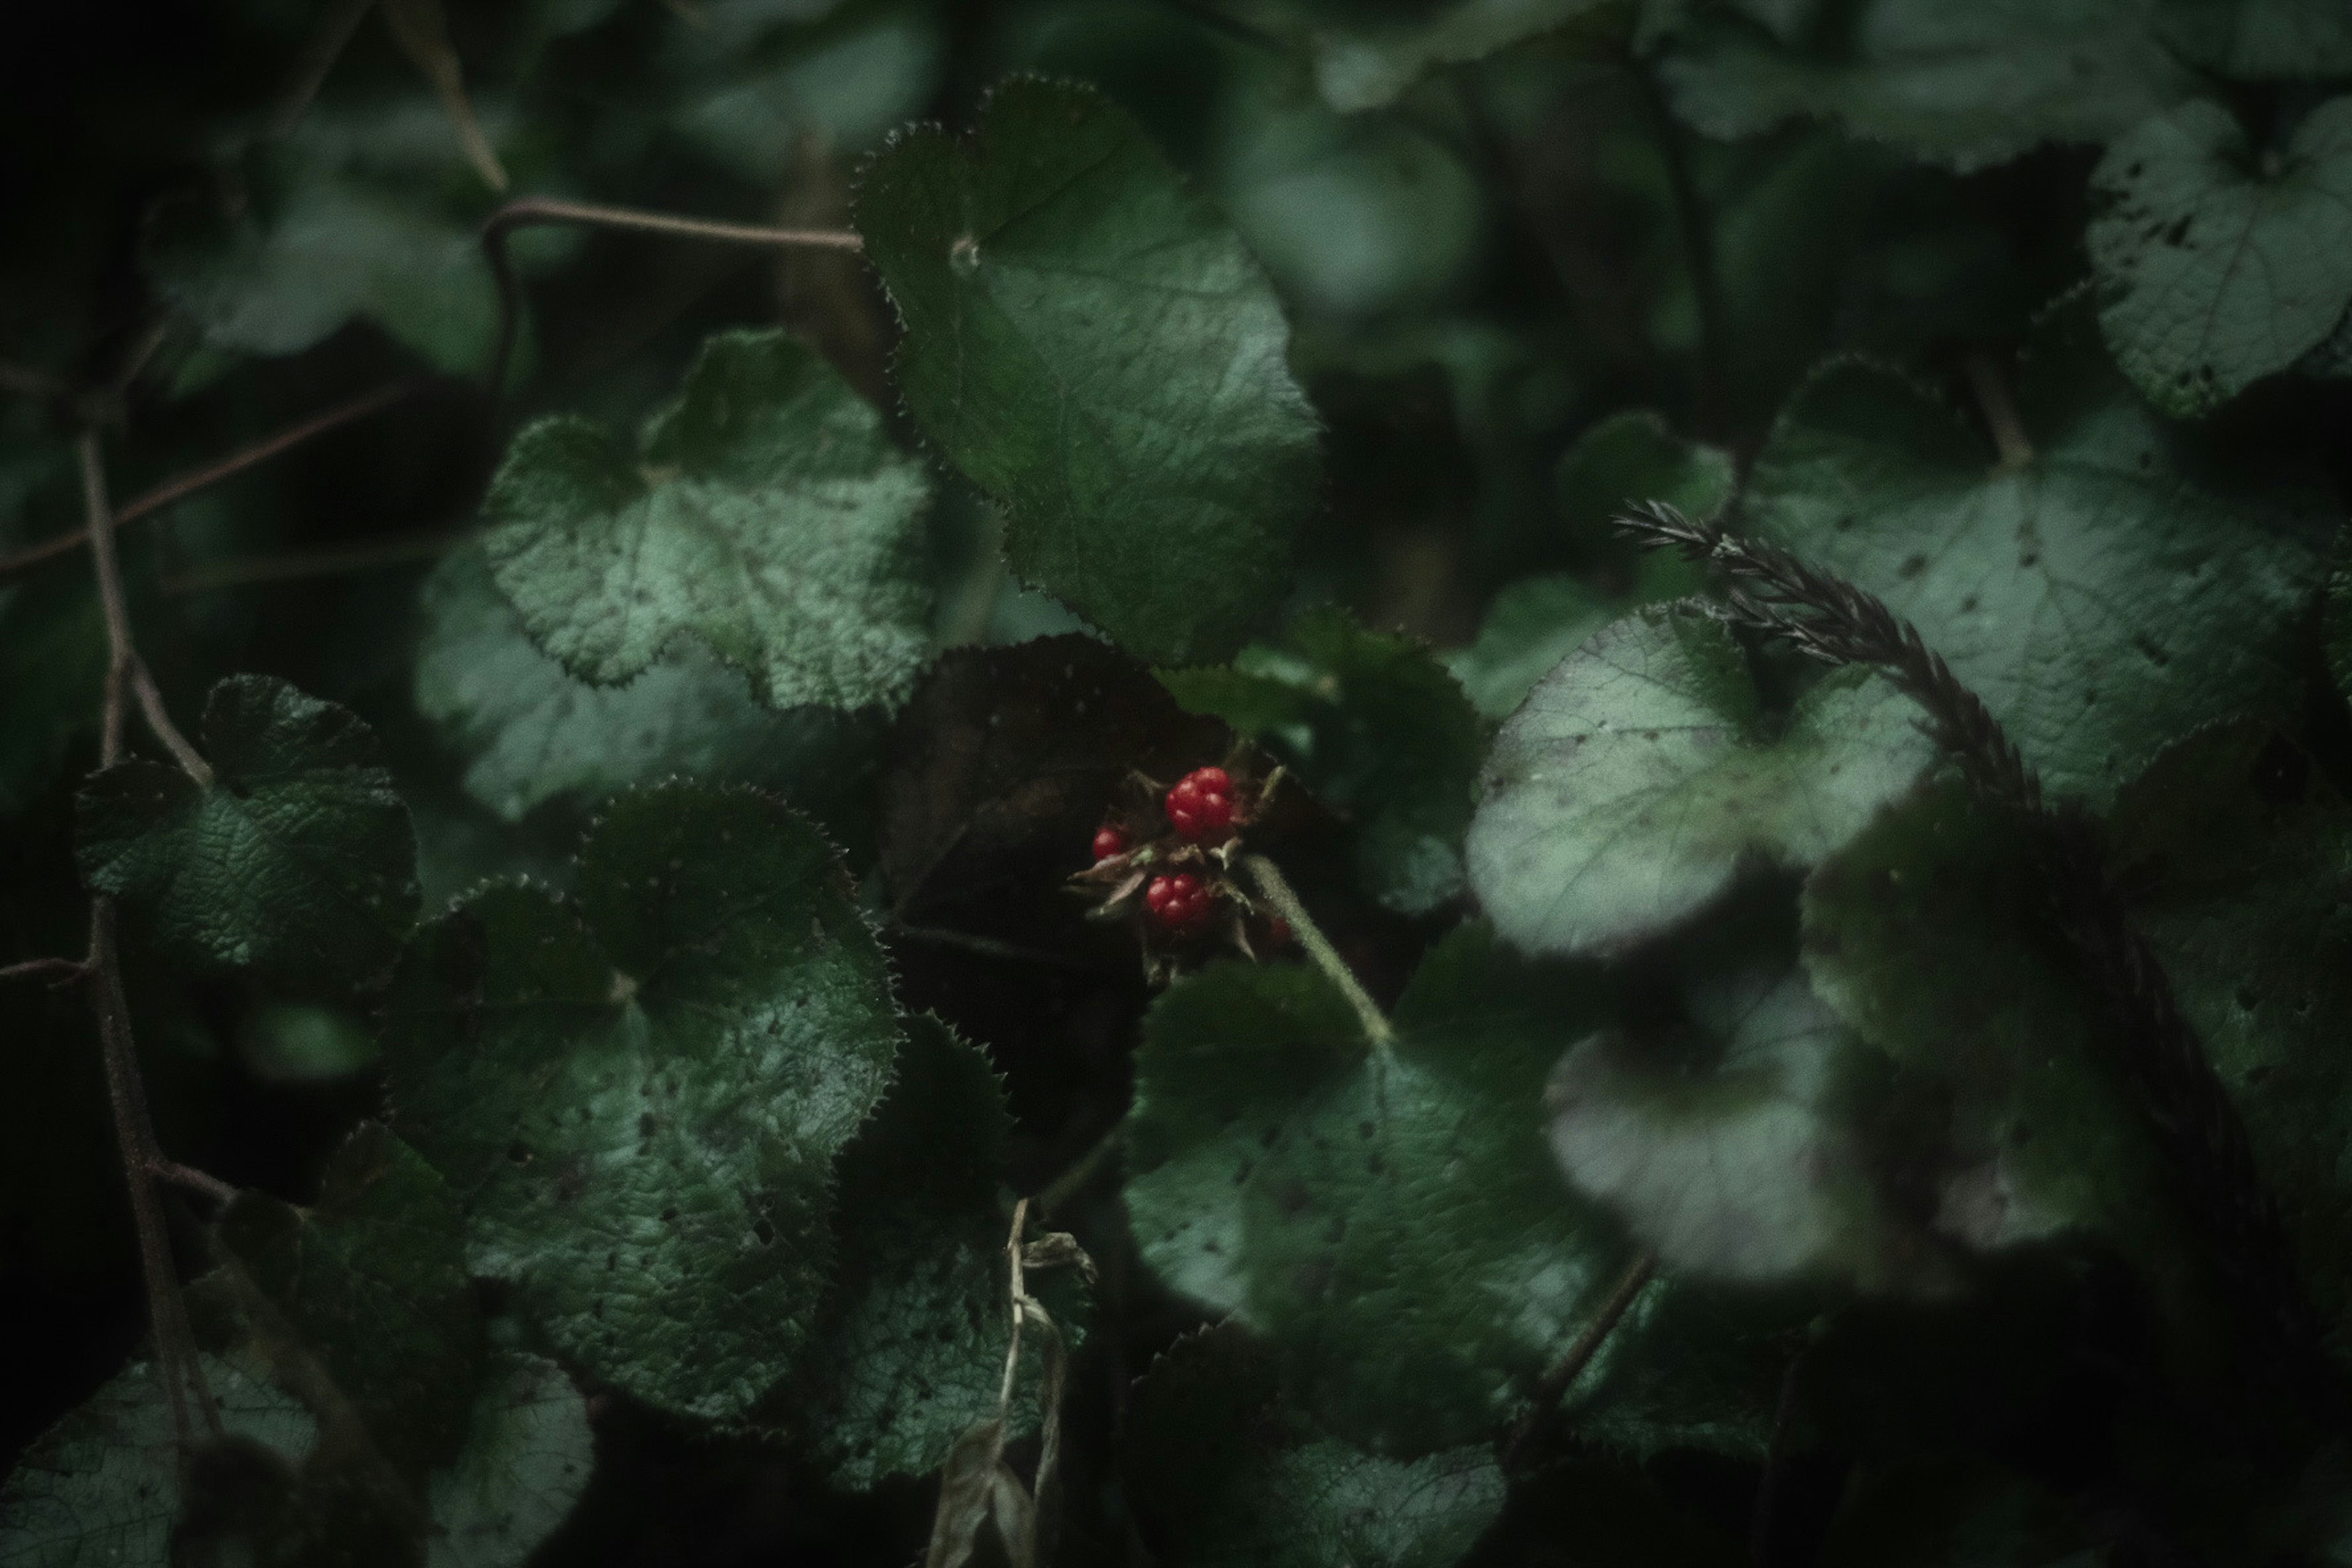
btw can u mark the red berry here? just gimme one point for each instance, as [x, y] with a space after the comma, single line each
[1179, 903]
[1202, 803]
[1108, 841]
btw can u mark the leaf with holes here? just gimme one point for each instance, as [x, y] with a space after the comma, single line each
[639, 1092]
[2109, 590]
[1088, 341]
[2218, 266]
[1642, 776]
[764, 513]
[296, 859]
[372, 1280]
[1221, 1472]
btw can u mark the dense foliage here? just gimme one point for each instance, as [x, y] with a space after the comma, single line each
[1305, 783]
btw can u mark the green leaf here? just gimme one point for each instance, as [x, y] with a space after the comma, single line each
[2338, 632]
[1389, 1219]
[1221, 1473]
[2108, 591]
[2263, 40]
[1089, 341]
[1642, 776]
[526, 1457]
[1634, 456]
[2217, 266]
[752, 103]
[1376, 727]
[296, 860]
[372, 1280]
[2237, 853]
[1365, 57]
[1965, 86]
[102, 1486]
[531, 733]
[765, 512]
[1735, 1156]
[1531, 626]
[297, 1043]
[639, 1093]
[367, 213]
[1930, 936]
[914, 1351]
[1920, 1512]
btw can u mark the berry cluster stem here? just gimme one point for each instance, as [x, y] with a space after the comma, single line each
[1278, 892]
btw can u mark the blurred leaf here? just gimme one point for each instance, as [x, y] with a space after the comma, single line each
[1531, 626]
[296, 1043]
[372, 1280]
[1930, 936]
[1088, 341]
[2111, 590]
[639, 1093]
[843, 78]
[2338, 628]
[2218, 268]
[1221, 1473]
[526, 1457]
[531, 733]
[103, 1486]
[52, 657]
[366, 212]
[1926, 1513]
[1389, 1219]
[296, 860]
[2263, 40]
[1376, 727]
[1746, 1166]
[1642, 776]
[1366, 54]
[2237, 853]
[765, 512]
[423, 32]
[1634, 456]
[1966, 86]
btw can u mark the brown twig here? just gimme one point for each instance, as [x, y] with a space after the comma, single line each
[159, 721]
[2206, 1151]
[537, 211]
[30, 383]
[135, 1128]
[202, 1183]
[1556, 1382]
[61, 970]
[236, 463]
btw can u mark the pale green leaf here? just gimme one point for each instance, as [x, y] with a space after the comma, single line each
[1088, 341]
[2219, 267]
[528, 1456]
[1642, 776]
[2114, 589]
[765, 512]
[296, 860]
[639, 1093]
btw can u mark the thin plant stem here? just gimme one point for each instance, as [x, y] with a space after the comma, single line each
[1020, 1302]
[1556, 1382]
[159, 719]
[539, 211]
[62, 970]
[236, 463]
[202, 1183]
[134, 1129]
[320, 50]
[1074, 1181]
[1278, 892]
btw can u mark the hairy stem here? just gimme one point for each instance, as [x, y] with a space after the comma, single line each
[538, 211]
[1562, 1377]
[211, 473]
[134, 1129]
[62, 970]
[1278, 892]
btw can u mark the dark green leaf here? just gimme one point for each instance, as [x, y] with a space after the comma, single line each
[298, 858]
[102, 1486]
[1966, 86]
[2339, 615]
[532, 733]
[2261, 40]
[2109, 591]
[1633, 457]
[53, 655]
[1921, 1512]
[1089, 341]
[1931, 938]
[2238, 855]
[1389, 1219]
[298, 1043]
[1222, 1474]
[527, 1455]
[639, 1093]
[372, 1280]
[751, 103]
[1641, 776]
[1376, 727]
[2218, 266]
[1366, 56]
[765, 512]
